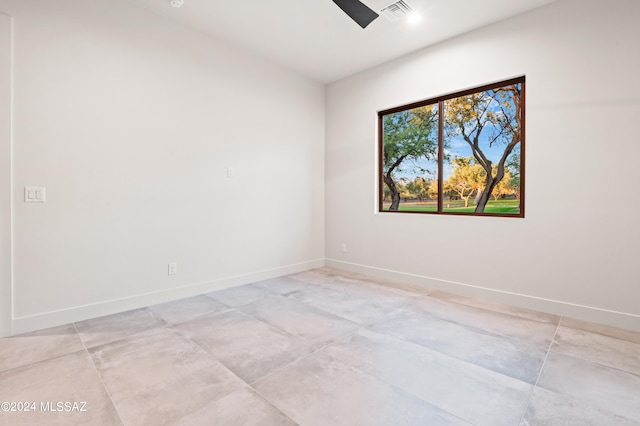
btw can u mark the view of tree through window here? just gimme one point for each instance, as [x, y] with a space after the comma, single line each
[457, 154]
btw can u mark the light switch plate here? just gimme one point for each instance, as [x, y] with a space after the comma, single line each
[173, 268]
[34, 194]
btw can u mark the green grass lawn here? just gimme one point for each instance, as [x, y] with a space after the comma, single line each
[499, 206]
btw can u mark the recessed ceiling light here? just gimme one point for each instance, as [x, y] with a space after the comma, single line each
[177, 3]
[414, 18]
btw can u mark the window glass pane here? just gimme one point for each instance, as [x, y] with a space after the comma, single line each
[479, 171]
[410, 160]
[482, 139]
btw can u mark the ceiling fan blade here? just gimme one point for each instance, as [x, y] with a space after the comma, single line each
[358, 11]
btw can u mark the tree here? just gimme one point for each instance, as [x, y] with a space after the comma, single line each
[408, 137]
[433, 189]
[419, 187]
[513, 164]
[386, 193]
[505, 186]
[467, 178]
[498, 111]
[404, 189]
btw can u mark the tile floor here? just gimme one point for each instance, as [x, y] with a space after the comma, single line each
[324, 347]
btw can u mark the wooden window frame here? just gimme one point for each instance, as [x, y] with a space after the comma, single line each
[439, 100]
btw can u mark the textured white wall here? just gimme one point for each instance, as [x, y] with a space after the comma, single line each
[130, 121]
[576, 252]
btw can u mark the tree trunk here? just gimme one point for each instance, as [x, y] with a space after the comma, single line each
[478, 193]
[395, 195]
[484, 197]
[490, 183]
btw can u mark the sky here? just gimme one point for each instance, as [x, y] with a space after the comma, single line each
[458, 147]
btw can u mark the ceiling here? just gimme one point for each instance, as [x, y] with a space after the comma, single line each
[316, 39]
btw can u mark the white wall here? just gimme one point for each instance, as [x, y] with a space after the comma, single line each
[576, 252]
[130, 122]
[5, 175]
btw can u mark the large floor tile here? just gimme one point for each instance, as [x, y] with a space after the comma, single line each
[238, 296]
[601, 387]
[68, 379]
[605, 330]
[412, 288]
[248, 347]
[326, 347]
[336, 275]
[396, 287]
[472, 393]
[283, 285]
[158, 376]
[605, 350]
[28, 348]
[535, 332]
[386, 297]
[550, 408]
[338, 278]
[319, 276]
[187, 309]
[109, 328]
[299, 319]
[319, 390]
[496, 307]
[356, 309]
[241, 408]
[505, 355]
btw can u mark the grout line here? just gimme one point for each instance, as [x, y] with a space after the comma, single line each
[53, 358]
[209, 354]
[313, 352]
[320, 348]
[409, 300]
[544, 363]
[204, 349]
[95, 368]
[268, 401]
[350, 366]
[223, 365]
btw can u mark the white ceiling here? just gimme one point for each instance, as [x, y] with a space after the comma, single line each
[318, 40]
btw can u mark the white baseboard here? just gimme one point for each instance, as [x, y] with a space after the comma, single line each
[565, 309]
[80, 313]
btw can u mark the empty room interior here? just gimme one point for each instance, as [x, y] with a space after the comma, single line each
[319, 212]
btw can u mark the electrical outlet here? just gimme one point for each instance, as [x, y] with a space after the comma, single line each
[173, 268]
[343, 248]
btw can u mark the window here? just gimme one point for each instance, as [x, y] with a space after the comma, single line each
[456, 154]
